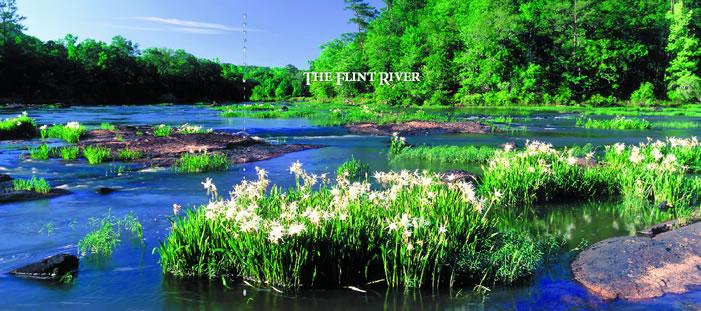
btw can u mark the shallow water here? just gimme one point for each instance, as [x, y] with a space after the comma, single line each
[132, 278]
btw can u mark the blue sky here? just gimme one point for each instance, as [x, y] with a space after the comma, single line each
[280, 32]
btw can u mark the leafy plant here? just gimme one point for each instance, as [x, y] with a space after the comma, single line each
[107, 126]
[106, 234]
[69, 153]
[129, 155]
[162, 130]
[202, 162]
[353, 170]
[96, 155]
[40, 153]
[36, 185]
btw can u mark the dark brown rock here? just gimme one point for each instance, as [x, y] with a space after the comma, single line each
[23, 195]
[414, 128]
[165, 150]
[5, 177]
[637, 268]
[50, 268]
[105, 190]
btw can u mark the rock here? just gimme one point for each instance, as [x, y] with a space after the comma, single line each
[5, 177]
[23, 195]
[52, 267]
[635, 268]
[414, 128]
[586, 162]
[452, 176]
[511, 145]
[663, 206]
[284, 108]
[105, 190]
[654, 230]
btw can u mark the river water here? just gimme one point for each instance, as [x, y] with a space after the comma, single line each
[132, 278]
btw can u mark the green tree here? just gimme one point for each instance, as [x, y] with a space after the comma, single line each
[684, 84]
[9, 21]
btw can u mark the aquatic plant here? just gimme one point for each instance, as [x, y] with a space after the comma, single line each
[162, 130]
[49, 228]
[96, 155]
[42, 152]
[617, 123]
[397, 144]
[409, 234]
[34, 184]
[71, 132]
[676, 124]
[69, 153]
[20, 126]
[446, 154]
[354, 170]
[247, 107]
[129, 155]
[107, 126]
[201, 162]
[106, 234]
[191, 129]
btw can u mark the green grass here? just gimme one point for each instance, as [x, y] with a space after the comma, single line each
[353, 170]
[106, 234]
[397, 145]
[69, 153]
[414, 232]
[162, 130]
[201, 162]
[676, 124]
[129, 155]
[96, 155]
[18, 127]
[71, 132]
[42, 152]
[253, 107]
[617, 123]
[107, 126]
[34, 184]
[446, 154]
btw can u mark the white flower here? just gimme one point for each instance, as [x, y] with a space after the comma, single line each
[296, 229]
[442, 230]
[296, 168]
[209, 185]
[276, 233]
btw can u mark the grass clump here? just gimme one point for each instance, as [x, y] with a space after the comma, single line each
[71, 132]
[247, 107]
[447, 154]
[397, 144]
[162, 130]
[676, 124]
[107, 126]
[201, 162]
[96, 155]
[617, 123]
[69, 153]
[34, 184]
[18, 127]
[408, 234]
[107, 232]
[43, 152]
[129, 155]
[354, 170]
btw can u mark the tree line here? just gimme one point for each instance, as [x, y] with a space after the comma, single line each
[502, 52]
[98, 73]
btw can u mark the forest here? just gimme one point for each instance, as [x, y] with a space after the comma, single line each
[476, 52]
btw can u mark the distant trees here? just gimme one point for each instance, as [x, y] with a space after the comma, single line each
[684, 82]
[9, 21]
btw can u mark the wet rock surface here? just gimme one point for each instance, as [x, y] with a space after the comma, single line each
[105, 190]
[164, 150]
[452, 176]
[415, 128]
[52, 267]
[635, 268]
[8, 193]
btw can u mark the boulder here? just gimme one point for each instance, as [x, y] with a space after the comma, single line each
[52, 267]
[105, 190]
[24, 195]
[414, 128]
[635, 268]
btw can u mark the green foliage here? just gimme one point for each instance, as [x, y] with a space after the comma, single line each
[129, 155]
[96, 155]
[106, 234]
[71, 132]
[354, 170]
[645, 95]
[161, 130]
[69, 153]
[407, 234]
[49, 228]
[397, 145]
[36, 185]
[617, 123]
[107, 126]
[41, 153]
[684, 82]
[21, 126]
[676, 124]
[446, 154]
[201, 162]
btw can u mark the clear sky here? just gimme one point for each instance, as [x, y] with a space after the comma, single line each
[280, 32]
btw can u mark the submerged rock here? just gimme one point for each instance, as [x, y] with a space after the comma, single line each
[24, 195]
[414, 128]
[52, 267]
[105, 190]
[635, 268]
